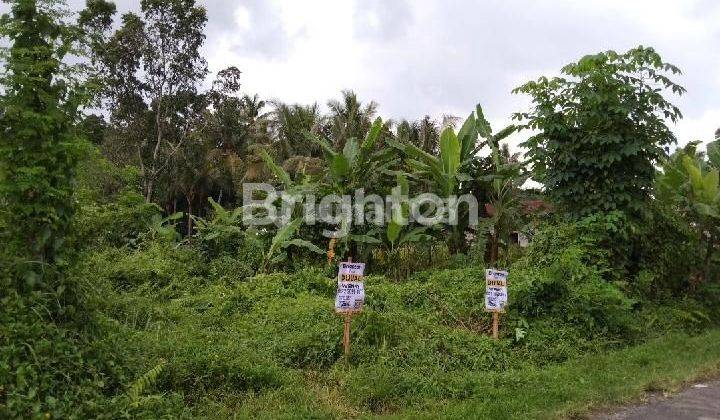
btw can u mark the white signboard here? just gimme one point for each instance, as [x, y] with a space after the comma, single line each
[351, 290]
[495, 290]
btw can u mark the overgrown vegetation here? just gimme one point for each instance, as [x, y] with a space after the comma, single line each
[132, 288]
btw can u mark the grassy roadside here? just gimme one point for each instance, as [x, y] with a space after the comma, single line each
[574, 388]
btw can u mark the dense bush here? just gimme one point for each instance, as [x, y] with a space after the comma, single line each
[117, 223]
[665, 253]
[54, 369]
[258, 344]
[570, 290]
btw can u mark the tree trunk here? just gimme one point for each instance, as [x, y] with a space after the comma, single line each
[149, 186]
[189, 199]
[152, 172]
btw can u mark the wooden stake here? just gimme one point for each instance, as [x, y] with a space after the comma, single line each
[346, 336]
[496, 317]
[346, 331]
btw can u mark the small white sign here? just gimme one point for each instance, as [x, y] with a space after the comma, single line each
[495, 290]
[351, 290]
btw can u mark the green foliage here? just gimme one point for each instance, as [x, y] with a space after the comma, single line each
[602, 130]
[151, 90]
[49, 366]
[505, 179]
[446, 170]
[234, 253]
[573, 291]
[262, 342]
[667, 249]
[143, 384]
[121, 222]
[145, 326]
[39, 152]
[403, 261]
[690, 185]
[163, 228]
[282, 240]
[159, 267]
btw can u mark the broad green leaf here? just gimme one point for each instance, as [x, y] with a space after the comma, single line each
[468, 137]
[365, 239]
[415, 235]
[393, 231]
[403, 184]
[174, 216]
[710, 186]
[351, 150]
[339, 166]
[505, 132]
[372, 134]
[301, 243]
[694, 174]
[481, 124]
[286, 232]
[463, 177]
[713, 153]
[278, 171]
[449, 151]
[327, 148]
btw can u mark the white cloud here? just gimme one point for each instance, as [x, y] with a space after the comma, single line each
[701, 127]
[435, 57]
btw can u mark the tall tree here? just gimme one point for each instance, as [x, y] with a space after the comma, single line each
[150, 62]
[349, 118]
[602, 130]
[424, 134]
[291, 123]
[237, 121]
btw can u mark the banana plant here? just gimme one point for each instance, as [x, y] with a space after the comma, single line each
[164, 227]
[223, 222]
[689, 182]
[304, 184]
[448, 170]
[692, 185]
[506, 177]
[705, 196]
[445, 171]
[397, 232]
[283, 239]
[359, 164]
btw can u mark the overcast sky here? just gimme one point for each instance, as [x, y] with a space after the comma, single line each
[417, 57]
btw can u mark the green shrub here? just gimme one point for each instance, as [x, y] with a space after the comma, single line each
[665, 253]
[569, 290]
[113, 224]
[301, 331]
[156, 267]
[47, 369]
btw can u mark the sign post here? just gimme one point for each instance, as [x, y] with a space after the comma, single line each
[350, 296]
[495, 295]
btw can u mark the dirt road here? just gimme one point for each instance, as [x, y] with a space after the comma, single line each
[698, 402]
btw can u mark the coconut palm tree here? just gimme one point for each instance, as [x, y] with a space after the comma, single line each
[348, 118]
[254, 120]
[425, 134]
[290, 125]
